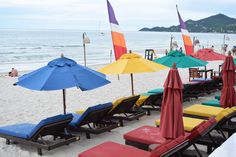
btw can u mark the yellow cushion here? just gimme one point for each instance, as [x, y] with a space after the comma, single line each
[224, 113]
[118, 101]
[203, 110]
[80, 112]
[189, 123]
[141, 99]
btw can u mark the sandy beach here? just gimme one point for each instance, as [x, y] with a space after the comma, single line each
[20, 105]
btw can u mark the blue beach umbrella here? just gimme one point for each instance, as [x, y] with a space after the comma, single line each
[62, 73]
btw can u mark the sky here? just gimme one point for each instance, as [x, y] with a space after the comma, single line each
[92, 14]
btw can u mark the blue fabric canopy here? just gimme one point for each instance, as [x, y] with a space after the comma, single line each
[62, 73]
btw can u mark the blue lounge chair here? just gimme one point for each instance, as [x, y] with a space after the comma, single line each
[32, 134]
[93, 121]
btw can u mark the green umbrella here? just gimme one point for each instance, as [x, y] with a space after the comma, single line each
[235, 61]
[181, 60]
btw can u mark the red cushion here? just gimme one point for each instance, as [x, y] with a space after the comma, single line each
[198, 130]
[194, 133]
[167, 147]
[111, 149]
[146, 135]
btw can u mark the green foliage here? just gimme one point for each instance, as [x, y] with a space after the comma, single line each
[218, 23]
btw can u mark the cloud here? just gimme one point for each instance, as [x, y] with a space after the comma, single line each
[88, 14]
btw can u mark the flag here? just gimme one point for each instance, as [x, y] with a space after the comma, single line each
[185, 34]
[117, 36]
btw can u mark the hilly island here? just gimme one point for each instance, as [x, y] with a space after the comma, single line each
[219, 23]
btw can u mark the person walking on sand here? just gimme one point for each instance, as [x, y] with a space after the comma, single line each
[13, 73]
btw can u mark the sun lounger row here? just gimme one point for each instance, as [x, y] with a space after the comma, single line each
[203, 125]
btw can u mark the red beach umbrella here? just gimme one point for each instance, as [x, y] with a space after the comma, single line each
[171, 121]
[228, 95]
[208, 55]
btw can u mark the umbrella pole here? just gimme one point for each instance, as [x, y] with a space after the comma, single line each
[132, 83]
[64, 100]
[118, 76]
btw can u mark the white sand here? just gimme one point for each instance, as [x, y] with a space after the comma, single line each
[20, 105]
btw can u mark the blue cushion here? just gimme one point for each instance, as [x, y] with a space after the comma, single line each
[77, 119]
[27, 130]
[201, 79]
[158, 90]
[19, 130]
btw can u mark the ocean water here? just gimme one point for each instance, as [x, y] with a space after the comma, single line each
[31, 49]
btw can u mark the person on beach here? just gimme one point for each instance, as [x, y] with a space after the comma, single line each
[13, 72]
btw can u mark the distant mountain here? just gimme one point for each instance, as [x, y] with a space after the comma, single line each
[219, 23]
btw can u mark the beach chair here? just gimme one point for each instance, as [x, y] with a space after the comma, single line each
[109, 149]
[224, 116]
[93, 121]
[145, 136]
[152, 103]
[126, 109]
[193, 90]
[194, 73]
[33, 134]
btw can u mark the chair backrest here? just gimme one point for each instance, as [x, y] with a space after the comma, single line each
[202, 129]
[125, 105]
[93, 114]
[194, 73]
[51, 126]
[154, 99]
[169, 147]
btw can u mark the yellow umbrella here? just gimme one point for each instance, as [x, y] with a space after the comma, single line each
[131, 63]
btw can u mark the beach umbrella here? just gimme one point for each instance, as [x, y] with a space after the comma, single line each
[131, 63]
[171, 121]
[208, 55]
[62, 73]
[228, 95]
[181, 60]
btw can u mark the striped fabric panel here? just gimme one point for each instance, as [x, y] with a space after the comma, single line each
[117, 36]
[185, 35]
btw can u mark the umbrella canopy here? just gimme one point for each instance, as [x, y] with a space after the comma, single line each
[208, 55]
[62, 73]
[228, 95]
[131, 63]
[181, 60]
[171, 121]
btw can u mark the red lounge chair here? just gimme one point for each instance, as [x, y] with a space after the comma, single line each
[111, 149]
[146, 135]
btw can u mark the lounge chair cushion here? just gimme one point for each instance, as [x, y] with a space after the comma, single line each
[203, 110]
[213, 102]
[201, 79]
[27, 130]
[158, 90]
[223, 114]
[162, 149]
[111, 149]
[147, 94]
[141, 100]
[77, 118]
[189, 123]
[118, 101]
[146, 135]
